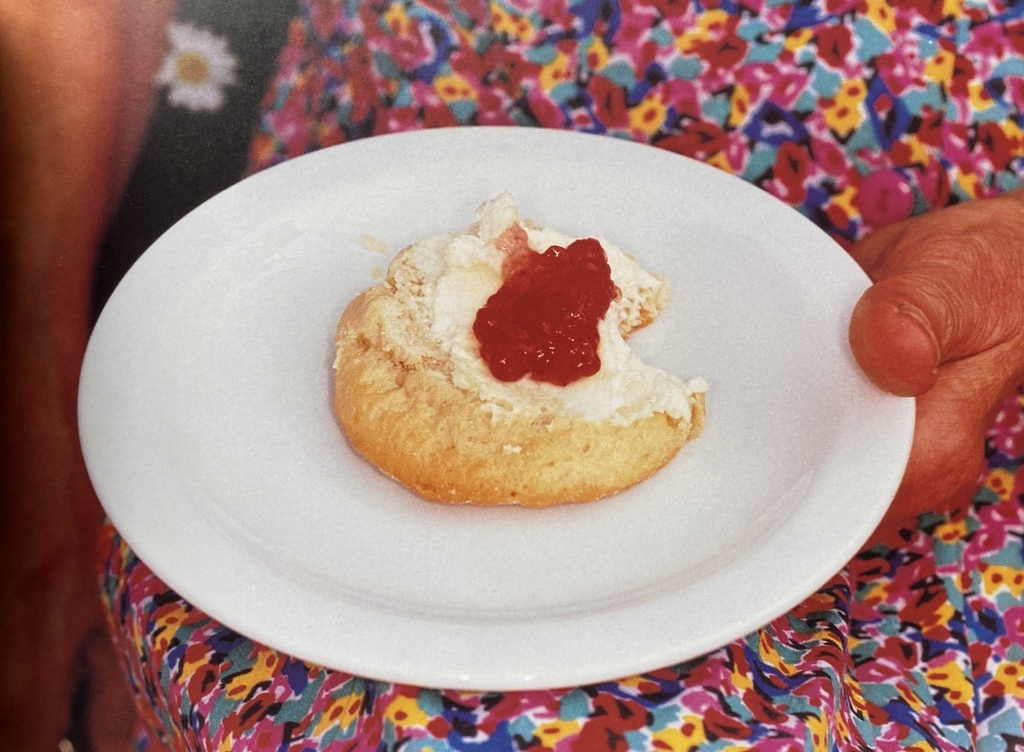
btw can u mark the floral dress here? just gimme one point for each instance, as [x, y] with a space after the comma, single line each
[857, 113]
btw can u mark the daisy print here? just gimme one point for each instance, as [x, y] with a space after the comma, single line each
[197, 68]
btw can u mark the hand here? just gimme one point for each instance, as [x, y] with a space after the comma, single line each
[944, 321]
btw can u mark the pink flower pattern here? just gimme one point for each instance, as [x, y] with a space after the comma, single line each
[917, 647]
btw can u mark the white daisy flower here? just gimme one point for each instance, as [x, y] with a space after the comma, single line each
[197, 68]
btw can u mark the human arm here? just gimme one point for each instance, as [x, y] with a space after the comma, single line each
[74, 98]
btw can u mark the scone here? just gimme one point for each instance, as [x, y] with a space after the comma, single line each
[417, 398]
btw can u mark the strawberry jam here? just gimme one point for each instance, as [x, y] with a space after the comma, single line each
[543, 320]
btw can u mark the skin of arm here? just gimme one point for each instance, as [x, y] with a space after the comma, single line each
[74, 97]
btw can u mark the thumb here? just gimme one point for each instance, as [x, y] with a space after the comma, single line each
[893, 340]
[936, 278]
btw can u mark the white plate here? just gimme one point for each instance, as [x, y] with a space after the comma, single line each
[208, 432]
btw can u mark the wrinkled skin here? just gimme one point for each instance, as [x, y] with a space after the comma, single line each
[944, 321]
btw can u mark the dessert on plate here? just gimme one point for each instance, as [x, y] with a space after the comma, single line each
[491, 367]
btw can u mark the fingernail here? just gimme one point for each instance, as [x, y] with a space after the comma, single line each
[912, 311]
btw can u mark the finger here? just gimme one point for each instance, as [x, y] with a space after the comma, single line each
[935, 279]
[893, 341]
[947, 457]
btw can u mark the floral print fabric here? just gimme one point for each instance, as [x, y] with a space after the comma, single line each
[857, 113]
[915, 648]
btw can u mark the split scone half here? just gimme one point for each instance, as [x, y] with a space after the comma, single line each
[416, 398]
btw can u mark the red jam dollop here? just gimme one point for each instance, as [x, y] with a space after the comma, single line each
[543, 320]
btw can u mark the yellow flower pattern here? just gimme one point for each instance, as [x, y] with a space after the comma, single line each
[907, 647]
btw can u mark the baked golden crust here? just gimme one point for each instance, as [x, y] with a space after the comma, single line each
[408, 418]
